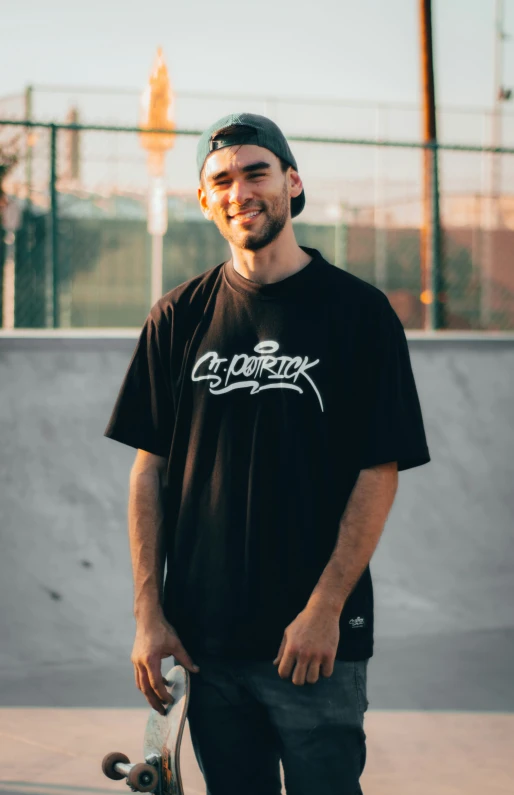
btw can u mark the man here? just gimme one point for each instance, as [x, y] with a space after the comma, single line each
[272, 403]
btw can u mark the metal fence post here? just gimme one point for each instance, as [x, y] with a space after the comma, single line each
[28, 144]
[437, 307]
[54, 228]
[340, 237]
[379, 210]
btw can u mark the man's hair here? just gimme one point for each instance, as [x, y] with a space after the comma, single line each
[238, 129]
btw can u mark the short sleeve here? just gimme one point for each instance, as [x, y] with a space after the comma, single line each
[392, 424]
[143, 416]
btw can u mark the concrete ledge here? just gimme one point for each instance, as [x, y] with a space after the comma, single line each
[71, 333]
[125, 338]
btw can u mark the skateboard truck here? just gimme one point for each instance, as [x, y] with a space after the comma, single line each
[140, 777]
[160, 772]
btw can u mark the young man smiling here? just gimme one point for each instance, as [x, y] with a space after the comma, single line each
[272, 403]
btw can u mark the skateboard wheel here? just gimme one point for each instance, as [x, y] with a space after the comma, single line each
[143, 778]
[110, 760]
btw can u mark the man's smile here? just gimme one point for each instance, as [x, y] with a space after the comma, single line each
[245, 217]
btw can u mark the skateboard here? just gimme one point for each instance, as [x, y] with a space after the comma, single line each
[160, 772]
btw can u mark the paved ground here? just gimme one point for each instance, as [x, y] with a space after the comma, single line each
[58, 752]
[443, 573]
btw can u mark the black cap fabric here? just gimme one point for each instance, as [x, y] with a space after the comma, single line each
[255, 129]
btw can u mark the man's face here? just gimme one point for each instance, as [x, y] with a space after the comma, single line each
[247, 195]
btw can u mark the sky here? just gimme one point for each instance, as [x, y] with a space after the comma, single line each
[359, 50]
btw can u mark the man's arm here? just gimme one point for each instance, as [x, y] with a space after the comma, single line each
[309, 644]
[145, 522]
[359, 532]
[155, 637]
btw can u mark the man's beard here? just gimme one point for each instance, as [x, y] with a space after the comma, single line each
[275, 217]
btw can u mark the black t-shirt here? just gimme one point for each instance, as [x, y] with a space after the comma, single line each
[267, 401]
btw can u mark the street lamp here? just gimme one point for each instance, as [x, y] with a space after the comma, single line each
[156, 113]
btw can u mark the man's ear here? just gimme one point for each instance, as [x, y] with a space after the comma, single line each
[202, 198]
[295, 183]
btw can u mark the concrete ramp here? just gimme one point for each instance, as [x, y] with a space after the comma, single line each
[443, 571]
[445, 563]
[65, 564]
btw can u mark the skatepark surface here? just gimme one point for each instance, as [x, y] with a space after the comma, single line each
[440, 685]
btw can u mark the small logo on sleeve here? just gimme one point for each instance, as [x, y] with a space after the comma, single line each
[358, 622]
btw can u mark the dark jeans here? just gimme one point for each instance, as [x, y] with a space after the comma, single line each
[244, 718]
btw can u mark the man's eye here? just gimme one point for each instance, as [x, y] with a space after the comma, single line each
[257, 175]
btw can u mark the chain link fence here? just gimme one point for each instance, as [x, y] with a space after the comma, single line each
[77, 253]
[314, 116]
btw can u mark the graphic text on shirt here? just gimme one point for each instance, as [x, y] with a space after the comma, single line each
[264, 371]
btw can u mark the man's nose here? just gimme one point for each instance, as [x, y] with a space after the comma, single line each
[239, 192]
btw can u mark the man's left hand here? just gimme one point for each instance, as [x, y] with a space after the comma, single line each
[309, 646]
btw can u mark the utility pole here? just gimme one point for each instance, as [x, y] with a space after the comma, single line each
[432, 292]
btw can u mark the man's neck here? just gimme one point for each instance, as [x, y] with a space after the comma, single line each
[275, 262]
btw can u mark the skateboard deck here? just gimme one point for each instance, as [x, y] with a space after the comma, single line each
[160, 772]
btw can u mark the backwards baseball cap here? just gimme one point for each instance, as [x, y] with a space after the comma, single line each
[248, 128]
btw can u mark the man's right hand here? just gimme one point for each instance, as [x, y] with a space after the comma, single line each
[154, 641]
